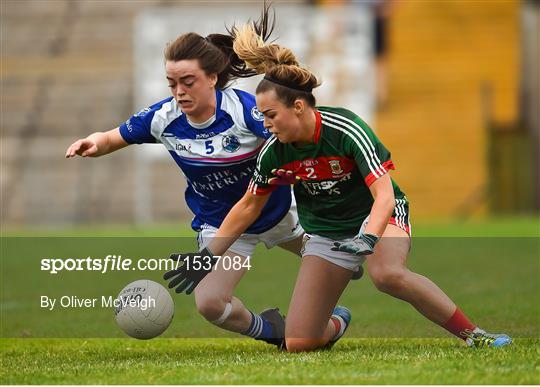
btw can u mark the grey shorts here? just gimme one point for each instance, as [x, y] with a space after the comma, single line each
[320, 247]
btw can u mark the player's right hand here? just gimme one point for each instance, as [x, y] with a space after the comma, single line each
[283, 177]
[362, 244]
[190, 269]
[83, 147]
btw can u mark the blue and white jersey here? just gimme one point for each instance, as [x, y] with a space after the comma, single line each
[217, 157]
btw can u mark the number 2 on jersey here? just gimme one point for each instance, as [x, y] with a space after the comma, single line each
[311, 173]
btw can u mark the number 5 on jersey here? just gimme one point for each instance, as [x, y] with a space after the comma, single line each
[209, 147]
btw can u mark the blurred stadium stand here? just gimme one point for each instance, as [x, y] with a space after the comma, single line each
[67, 70]
[434, 120]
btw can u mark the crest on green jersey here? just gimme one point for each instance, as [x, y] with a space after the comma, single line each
[335, 167]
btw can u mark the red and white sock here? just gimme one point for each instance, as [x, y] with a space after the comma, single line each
[339, 326]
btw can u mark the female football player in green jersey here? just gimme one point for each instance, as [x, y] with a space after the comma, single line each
[348, 205]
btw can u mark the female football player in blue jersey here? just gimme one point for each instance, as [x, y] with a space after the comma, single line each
[214, 134]
[348, 205]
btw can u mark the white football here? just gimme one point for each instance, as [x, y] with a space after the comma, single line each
[144, 309]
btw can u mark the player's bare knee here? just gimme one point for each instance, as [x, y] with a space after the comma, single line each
[210, 306]
[294, 344]
[389, 280]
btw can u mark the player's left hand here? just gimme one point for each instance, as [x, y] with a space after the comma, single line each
[190, 269]
[283, 177]
[362, 244]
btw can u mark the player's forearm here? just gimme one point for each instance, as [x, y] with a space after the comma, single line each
[380, 214]
[107, 142]
[241, 216]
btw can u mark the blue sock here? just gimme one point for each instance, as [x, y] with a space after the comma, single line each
[259, 328]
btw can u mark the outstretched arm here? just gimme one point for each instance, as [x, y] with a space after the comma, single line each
[244, 213]
[97, 144]
[186, 277]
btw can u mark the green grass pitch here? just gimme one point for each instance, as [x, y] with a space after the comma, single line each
[242, 361]
[491, 269]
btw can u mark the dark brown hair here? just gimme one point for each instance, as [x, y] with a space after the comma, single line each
[215, 52]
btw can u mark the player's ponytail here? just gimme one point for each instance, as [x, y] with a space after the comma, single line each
[258, 55]
[215, 52]
[283, 72]
[236, 68]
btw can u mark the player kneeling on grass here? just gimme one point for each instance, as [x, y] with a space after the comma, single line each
[348, 205]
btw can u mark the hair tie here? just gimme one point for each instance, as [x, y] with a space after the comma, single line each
[290, 85]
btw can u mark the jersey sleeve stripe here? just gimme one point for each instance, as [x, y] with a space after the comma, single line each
[265, 147]
[359, 130]
[373, 161]
[372, 168]
[373, 165]
[256, 190]
[387, 165]
[373, 152]
[346, 120]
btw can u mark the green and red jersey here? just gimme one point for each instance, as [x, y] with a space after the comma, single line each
[346, 157]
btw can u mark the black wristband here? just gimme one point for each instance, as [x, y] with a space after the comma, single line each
[370, 239]
[206, 252]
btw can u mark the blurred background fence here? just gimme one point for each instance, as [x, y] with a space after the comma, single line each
[456, 100]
